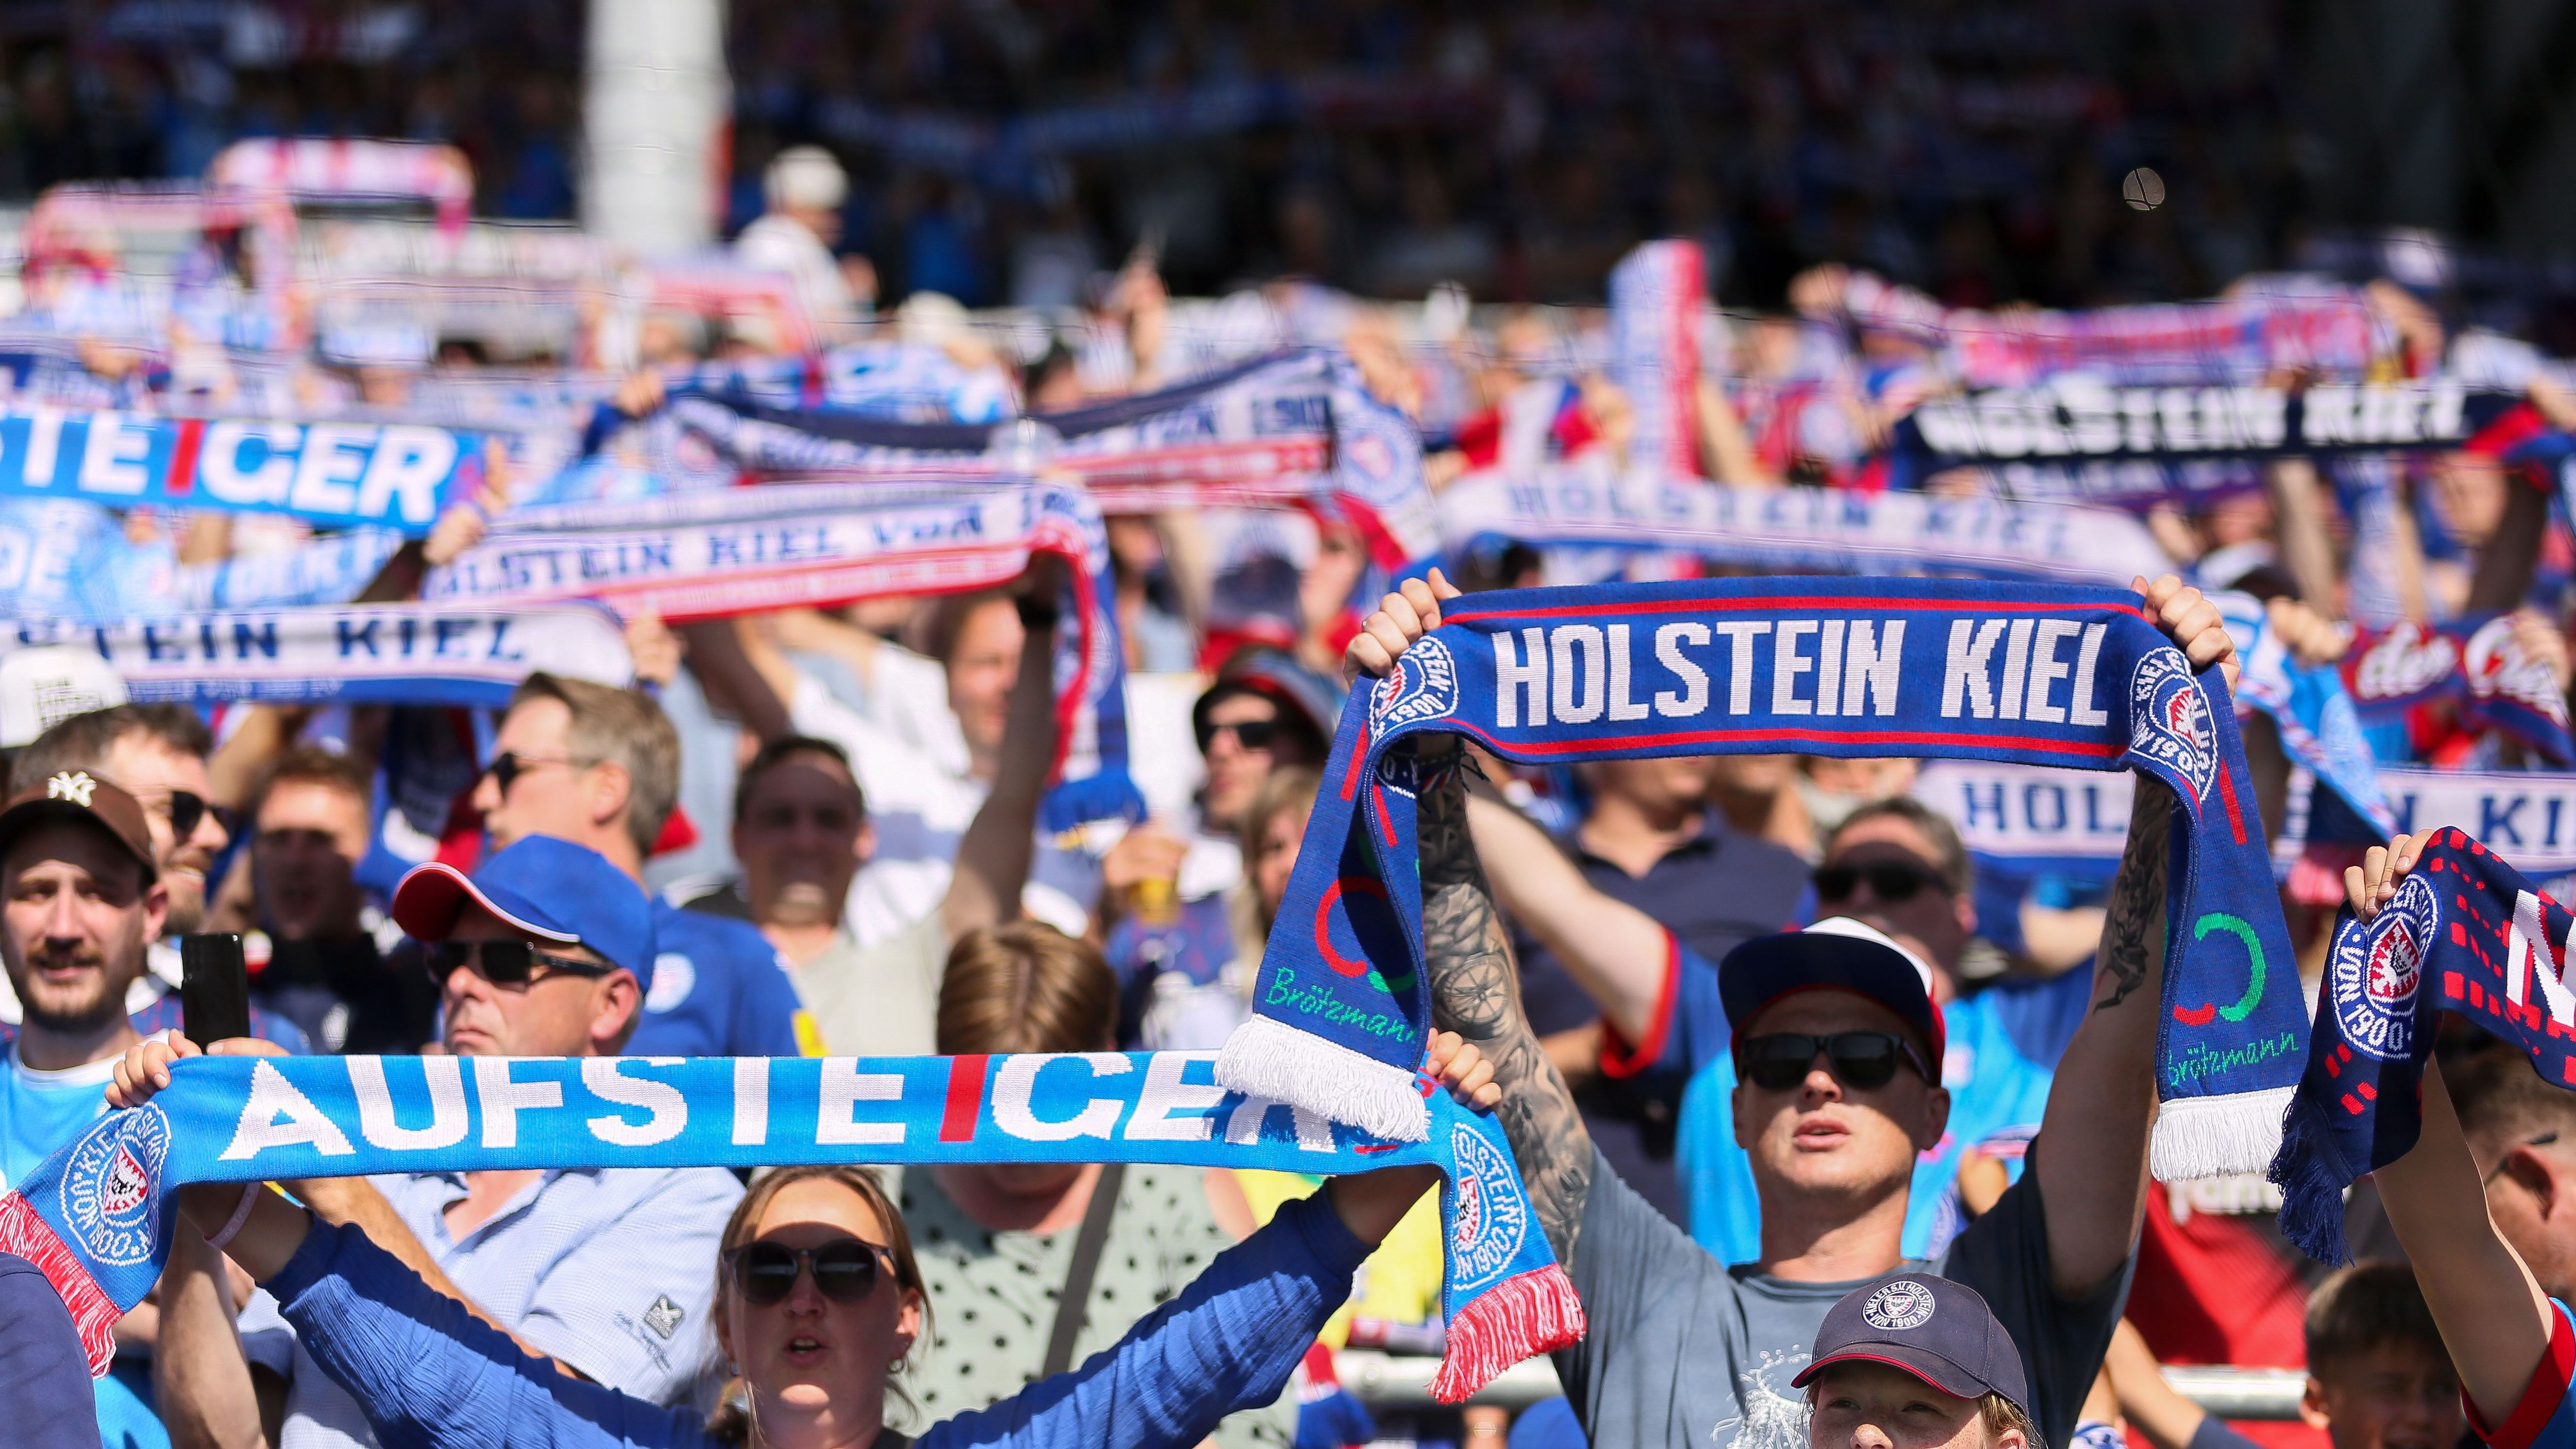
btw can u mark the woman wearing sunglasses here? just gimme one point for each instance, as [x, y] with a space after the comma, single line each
[818, 1306]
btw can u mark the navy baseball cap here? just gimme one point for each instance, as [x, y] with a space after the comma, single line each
[552, 889]
[1835, 954]
[1938, 1330]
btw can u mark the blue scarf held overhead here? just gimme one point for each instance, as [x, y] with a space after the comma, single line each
[726, 551]
[336, 475]
[2465, 933]
[358, 654]
[96, 1216]
[1858, 668]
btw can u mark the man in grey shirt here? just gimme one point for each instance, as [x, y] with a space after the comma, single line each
[1837, 1046]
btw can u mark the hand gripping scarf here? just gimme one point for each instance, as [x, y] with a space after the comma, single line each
[96, 1216]
[2031, 673]
[2465, 933]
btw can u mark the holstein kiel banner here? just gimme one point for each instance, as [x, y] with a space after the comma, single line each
[335, 475]
[2036, 674]
[365, 654]
[2078, 419]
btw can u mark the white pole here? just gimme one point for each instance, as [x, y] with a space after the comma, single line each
[654, 117]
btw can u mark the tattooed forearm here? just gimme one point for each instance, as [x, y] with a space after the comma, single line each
[2133, 929]
[1475, 991]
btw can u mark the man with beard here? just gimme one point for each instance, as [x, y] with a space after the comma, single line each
[309, 825]
[156, 753]
[80, 902]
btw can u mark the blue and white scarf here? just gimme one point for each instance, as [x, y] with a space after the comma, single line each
[1585, 504]
[1656, 293]
[1293, 430]
[2477, 666]
[96, 1216]
[361, 654]
[743, 550]
[2319, 727]
[2022, 673]
[333, 475]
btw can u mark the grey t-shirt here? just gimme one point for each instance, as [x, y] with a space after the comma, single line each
[1687, 1353]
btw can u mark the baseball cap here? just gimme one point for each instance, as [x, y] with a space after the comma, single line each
[1938, 1330]
[1276, 676]
[552, 889]
[81, 796]
[42, 687]
[1835, 954]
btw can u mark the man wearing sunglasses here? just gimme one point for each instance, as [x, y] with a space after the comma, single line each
[1684, 1351]
[600, 767]
[548, 949]
[1899, 866]
[157, 753]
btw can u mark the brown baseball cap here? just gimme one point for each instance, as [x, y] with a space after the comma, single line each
[81, 796]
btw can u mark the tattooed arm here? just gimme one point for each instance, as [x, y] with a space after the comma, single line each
[1475, 985]
[2092, 1170]
[1476, 992]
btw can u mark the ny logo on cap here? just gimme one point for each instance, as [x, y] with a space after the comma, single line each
[72, 785]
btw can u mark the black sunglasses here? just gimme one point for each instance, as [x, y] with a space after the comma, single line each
[1863, 1059]
[1252, 734]
[509, 765]
[845, 1270]
[1890, 881]
[503, 963]
[188, 809]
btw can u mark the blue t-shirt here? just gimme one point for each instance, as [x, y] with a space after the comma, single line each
[1994, 1085]
[719, 990]
[2546, 1416]
[40, 1113]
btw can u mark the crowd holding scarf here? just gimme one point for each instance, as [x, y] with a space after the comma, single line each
[97, 1218]
[1587, 503]
[2024, 673]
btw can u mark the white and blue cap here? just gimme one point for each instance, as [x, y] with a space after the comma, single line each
[552, 889]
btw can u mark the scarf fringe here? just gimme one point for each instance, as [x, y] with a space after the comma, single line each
[94, 1314]
[2312, 1177]
[2217, 1135]
[1267, 1058]
[1524, 1315]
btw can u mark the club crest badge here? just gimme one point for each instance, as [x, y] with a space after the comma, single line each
[1898, 1306]
[1424, 686]
[1491, 1220]
[2169, 721]
[2375, 971]
[107, 1188]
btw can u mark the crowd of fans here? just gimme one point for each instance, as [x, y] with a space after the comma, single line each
[813, 831]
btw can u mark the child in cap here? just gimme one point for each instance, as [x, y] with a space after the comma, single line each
[1915, 1361]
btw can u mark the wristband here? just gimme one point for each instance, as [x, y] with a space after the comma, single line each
[1036, 614]
[241, 1214]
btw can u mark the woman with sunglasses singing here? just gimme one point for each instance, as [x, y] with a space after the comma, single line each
[818, 1306]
